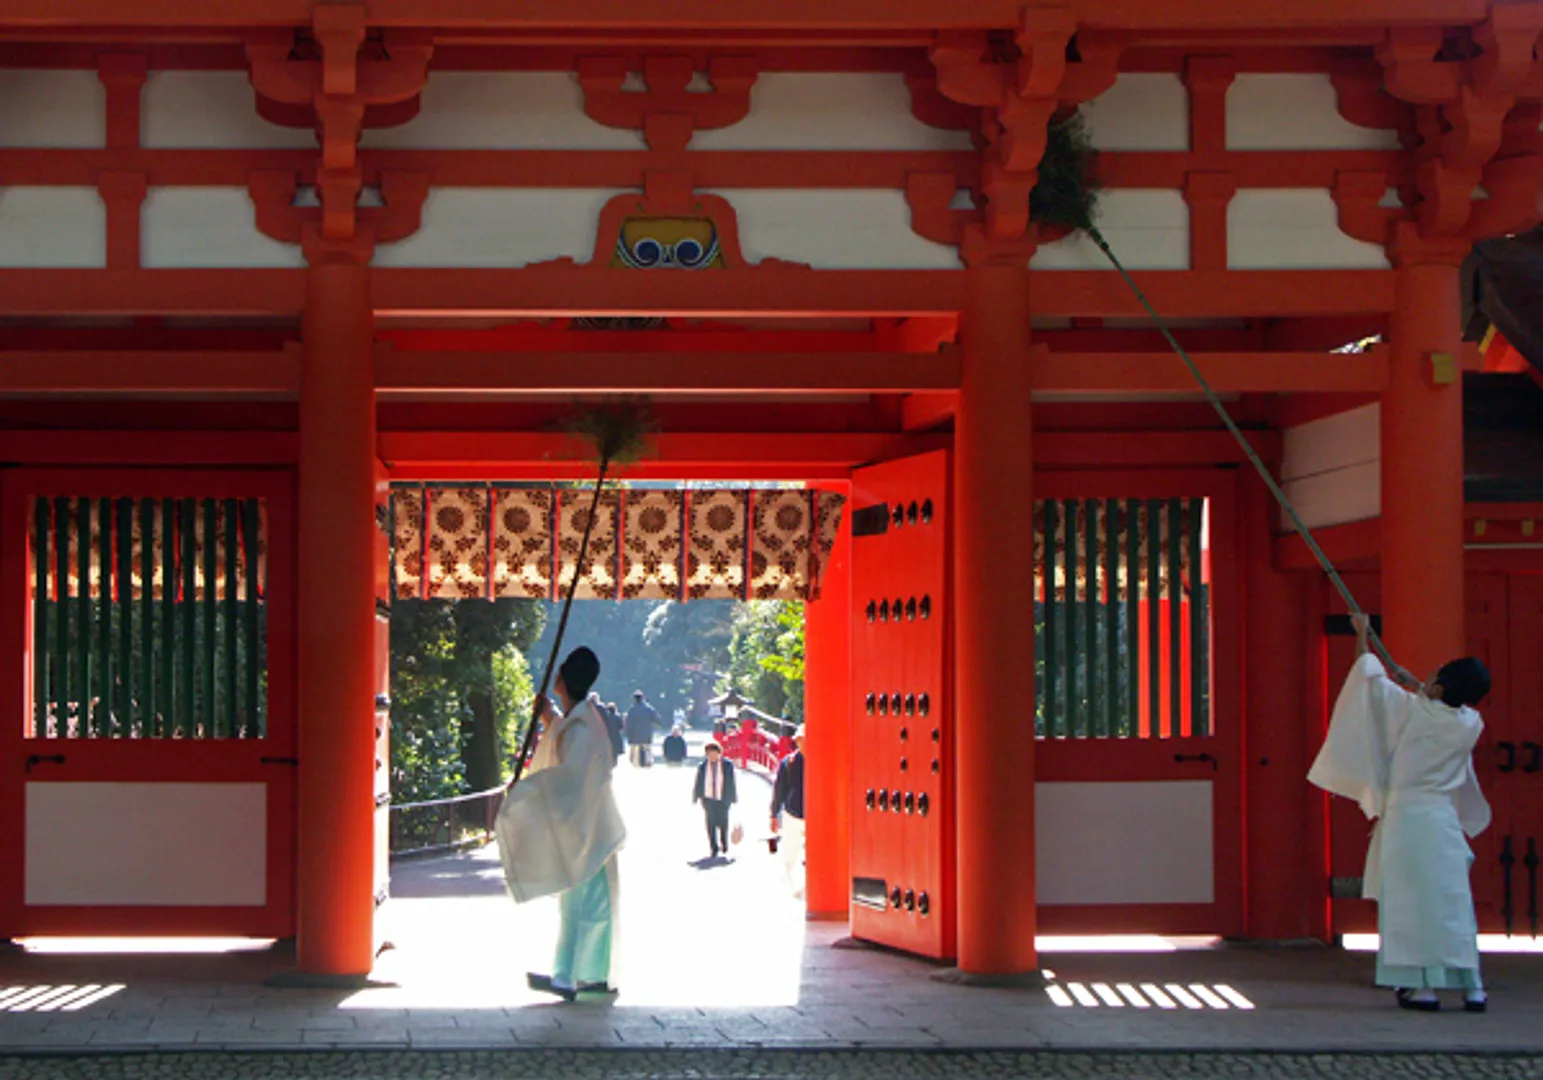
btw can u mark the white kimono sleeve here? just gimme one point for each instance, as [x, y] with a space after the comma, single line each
[1473, 812]
[559, 825]
[1368, 718]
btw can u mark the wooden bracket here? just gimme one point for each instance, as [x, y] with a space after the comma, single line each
[668, 113]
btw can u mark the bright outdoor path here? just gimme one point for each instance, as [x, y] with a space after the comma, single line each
[723, 977]
[726, 933]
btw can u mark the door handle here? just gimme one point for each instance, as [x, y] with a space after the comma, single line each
[1534, 754]
[1202, 758]
[1507, 751]
[39, 759]
[279, 761]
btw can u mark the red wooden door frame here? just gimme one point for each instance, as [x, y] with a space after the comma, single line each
[148, 760]
[1092, 760]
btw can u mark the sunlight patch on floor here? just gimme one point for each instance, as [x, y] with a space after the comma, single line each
[69, 998]
[1172, 996]
[1121, 943]
[1488, 943]
[108, 946]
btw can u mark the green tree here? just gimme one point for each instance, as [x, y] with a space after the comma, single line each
[450, 717]
[766, 654]
[683, 638]
[512, 691]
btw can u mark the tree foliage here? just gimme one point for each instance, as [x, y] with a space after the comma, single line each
[453, 718]
[766, 656]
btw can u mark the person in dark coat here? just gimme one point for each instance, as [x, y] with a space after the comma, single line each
[675, 747]
[641, 721]
[715, 791]
[613, 727]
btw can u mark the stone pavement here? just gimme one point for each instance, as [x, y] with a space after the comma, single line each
[716, 958]
[790, 1064]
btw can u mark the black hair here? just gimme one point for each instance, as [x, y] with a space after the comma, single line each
[1463, 682]
[579, 672]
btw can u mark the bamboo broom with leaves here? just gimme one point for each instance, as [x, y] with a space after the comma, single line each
[1066, 196]
[617, 434]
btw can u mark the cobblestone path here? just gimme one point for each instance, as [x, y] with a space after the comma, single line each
[762, 1065]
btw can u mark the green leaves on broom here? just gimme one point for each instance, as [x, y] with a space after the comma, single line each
[1066, 193]
[616, 432]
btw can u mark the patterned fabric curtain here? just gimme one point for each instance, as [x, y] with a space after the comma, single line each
[646, 545]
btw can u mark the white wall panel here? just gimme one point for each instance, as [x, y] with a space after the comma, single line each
[1293, 229]
[497, 110]
[52, 227]
[1294, 112]
[207, 227]
[1148, 229]
[1125, 843]
[1352, 437]
[1340, 497]
[1331, 468]
[210, 110]
[1140, 112]
[59, 109]
[501, 227]
[828, 111]
[196, 845]
[835, 230]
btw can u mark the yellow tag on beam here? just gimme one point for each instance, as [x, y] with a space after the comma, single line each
[1443, 369]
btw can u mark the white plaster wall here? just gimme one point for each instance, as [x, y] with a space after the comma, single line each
[49, 108]
[210, 110]
[1294, 112]
[501, 227]
[1125, 843]
[1148, 229]
[1140, 112]
[52, 227]
[196, 845]
[835, 230]
[207, 227]
[826, 111]
[1331, 468]
[1293, 229]
[497, 110]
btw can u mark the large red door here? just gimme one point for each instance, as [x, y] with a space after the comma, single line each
[147, 743]
[902, 819]
[1137, 704]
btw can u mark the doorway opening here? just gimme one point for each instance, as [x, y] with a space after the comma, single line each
[700, 633]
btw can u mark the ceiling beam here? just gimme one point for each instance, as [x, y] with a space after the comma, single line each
[1227, 373]
[202, 373]
[670, 373]
[745, 16]
[761, 292]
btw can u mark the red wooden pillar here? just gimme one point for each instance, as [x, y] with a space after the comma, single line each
[336, 615]
[994, 638]
[1276, 720]
[1422, 457]
[828, 735]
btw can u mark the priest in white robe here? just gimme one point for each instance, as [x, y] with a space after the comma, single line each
[559, 831]
[1406, 756]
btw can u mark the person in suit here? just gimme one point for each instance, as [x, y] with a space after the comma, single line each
[715, 791]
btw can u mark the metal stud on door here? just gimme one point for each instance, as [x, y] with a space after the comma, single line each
[902, 818]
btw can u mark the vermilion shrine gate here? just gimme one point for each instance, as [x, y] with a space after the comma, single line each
[261, 260]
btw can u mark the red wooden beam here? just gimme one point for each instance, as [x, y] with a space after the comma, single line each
[130, 448]
[1358, 541]
[677, 373]
[1231, 373]
[733, 454]
[568, 290]
[161, 372]
[749, 15]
